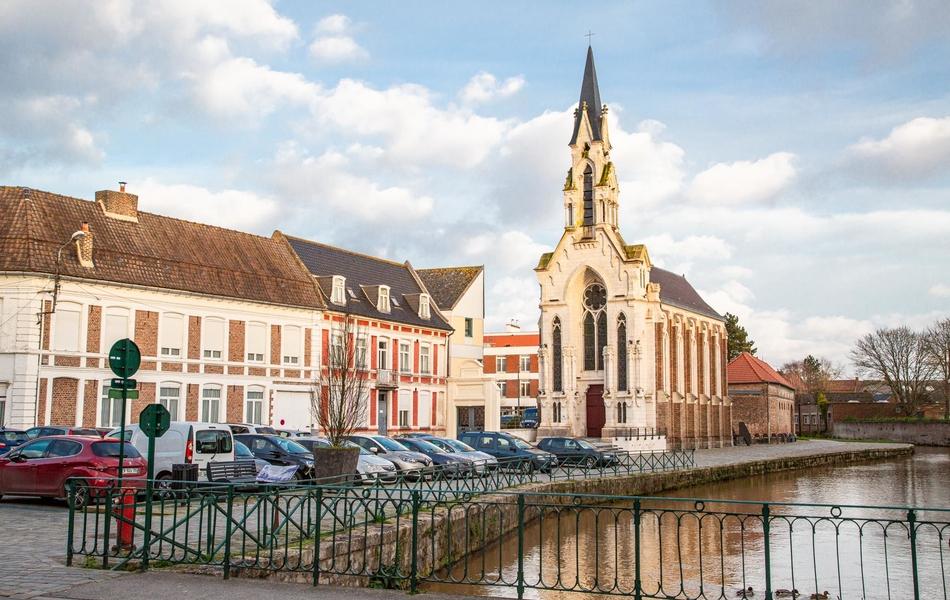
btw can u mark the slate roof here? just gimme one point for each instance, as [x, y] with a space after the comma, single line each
[363, 272]
[448, 284]
[157, 251]
[590, 93]
[675, 290]
[746, 368]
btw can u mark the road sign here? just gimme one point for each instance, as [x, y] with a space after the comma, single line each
[154, 420]
[124, 358]
[128, 384]
[115, 394]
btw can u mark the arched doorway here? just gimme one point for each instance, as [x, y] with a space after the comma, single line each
[596, 414]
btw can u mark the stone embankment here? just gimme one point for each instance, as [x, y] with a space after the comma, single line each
[922, 433]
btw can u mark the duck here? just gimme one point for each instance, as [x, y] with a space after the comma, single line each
[783, 593]
[746, 593]
[822, 596]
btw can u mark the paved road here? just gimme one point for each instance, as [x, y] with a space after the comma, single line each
[33, 542]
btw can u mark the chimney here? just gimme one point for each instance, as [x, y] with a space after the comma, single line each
[84, 247]
[119, 205]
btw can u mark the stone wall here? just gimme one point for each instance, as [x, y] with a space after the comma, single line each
[922, 434]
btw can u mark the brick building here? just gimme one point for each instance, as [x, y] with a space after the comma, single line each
[511, 359]
[762, 398]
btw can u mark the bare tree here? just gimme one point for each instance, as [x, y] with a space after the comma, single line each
[899, 357]
[937, 341]
[339, 396]
[813, 373]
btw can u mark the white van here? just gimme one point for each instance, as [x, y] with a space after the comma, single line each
[184, 442]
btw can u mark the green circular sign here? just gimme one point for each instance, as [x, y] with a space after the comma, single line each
[154, 420]
[124, 358]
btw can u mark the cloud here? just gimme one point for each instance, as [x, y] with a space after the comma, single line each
[940, 290]
[650, 169]
[234, 209]
[744, 181]
[334, 42]
[483, 87]
[918, 149]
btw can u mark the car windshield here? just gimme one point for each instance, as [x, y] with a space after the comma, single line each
[520, 444]
[110, 449]
[389, 444]
[585, 445]
[426, 446]
[457, 445]
[13, 436]
[242, 451]
[92, 432]
[290, 446]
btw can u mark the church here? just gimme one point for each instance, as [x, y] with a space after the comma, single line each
[630, 353]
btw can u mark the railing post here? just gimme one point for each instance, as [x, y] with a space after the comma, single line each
[637, 584]
[768, 554]
[107, 530]
[414, 568]
[319, 533]
[70, 494]
[912, 529]
[520, 546]
[227, 532]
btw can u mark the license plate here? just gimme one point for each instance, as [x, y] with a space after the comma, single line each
[130, 471]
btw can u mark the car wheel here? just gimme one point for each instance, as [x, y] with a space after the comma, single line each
[79, 499]
[163, 486]
[590, 462]
[527, 467]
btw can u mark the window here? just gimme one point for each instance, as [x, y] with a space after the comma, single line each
[556, 412]
[8, 312]
[360, 355]
[382, 299]
[254, 405]
[212, 441]
[64, 448]
[425, 408]
[3, 404]
[211, 403]
[570, 215]
[115, 326]
[404, 418]
[405, 407]
[66, 327]
[595, 338]
[212, 338]
[469, 327]
[110, 409]
[558, 382]
[424, 365]
[525, 389]
[622, 354]
[382, 353]
[499, 364]
[35, 449]
[169, 396]
[290, 345]
[424, 311]
[501, 388]
[622, 412]
[404, 357]
[588, 196]
[525, 364]
[172, 335]
[255, 342]
[338, 294]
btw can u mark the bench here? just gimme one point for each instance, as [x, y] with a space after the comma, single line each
[238, 471]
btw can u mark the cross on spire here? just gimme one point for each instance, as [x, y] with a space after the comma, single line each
[589, 35]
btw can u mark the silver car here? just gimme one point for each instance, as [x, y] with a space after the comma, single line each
[370, 468]
[483, 461]
[407, 462]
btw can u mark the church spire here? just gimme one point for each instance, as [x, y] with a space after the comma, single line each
[589, 101]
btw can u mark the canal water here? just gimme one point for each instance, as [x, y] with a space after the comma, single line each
[714, 549]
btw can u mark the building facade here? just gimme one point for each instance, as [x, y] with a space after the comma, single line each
[511, 360]
[762, 399]
[629, 352]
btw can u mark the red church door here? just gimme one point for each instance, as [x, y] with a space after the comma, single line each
[596, 415]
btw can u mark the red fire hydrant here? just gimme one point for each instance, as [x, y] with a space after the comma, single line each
[125, 519]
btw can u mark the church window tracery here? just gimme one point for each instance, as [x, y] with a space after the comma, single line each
[588, 196]
[558, 382]
[595, 326]
[622, 353]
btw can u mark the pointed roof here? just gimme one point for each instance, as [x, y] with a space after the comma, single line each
[590, 93]
[448, 284]
[746, 368]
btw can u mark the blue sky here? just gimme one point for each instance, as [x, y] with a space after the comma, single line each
[791, 158]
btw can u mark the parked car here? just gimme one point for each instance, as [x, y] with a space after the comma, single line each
[407, 462]
[529, 420]
[369, 467]
[416, 434]
[185, 442]
[483, 461]
[510, 449]
[10, 439]
[570, 451]
[452, 464]
[237, 428]
[293, 433]
[46, 431]
[242, 452]
[41, 467]
[279, 451]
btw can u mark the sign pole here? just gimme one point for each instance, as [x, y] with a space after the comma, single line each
[149, 473]
[125, 395]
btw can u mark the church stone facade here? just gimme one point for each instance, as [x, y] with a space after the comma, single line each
[629, 352]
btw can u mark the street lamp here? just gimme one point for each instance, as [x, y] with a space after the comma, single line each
[77, 235]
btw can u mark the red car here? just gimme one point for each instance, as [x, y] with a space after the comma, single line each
[42, 466]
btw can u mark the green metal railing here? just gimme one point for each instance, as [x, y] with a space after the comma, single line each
[450, 532]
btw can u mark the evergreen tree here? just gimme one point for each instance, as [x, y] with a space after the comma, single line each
[739, 341]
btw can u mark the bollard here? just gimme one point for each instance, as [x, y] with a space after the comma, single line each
[125, 520]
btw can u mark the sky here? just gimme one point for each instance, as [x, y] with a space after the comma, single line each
[791, 158]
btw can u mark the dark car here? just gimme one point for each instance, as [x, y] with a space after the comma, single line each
[279, 451]
[11, 438]
[570, 451]
[47, 430]
[511, 451]
[41, 467]
[453, 464]
[529, 420]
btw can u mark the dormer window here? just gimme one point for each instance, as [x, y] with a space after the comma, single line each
[424, 306]
[338, 295]
[382, 299]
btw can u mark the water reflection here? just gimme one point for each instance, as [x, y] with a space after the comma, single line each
[713, 550]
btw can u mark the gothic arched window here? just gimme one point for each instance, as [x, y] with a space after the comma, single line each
[595, 336]
[556, 356]
[622, 353]
[588, 196]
